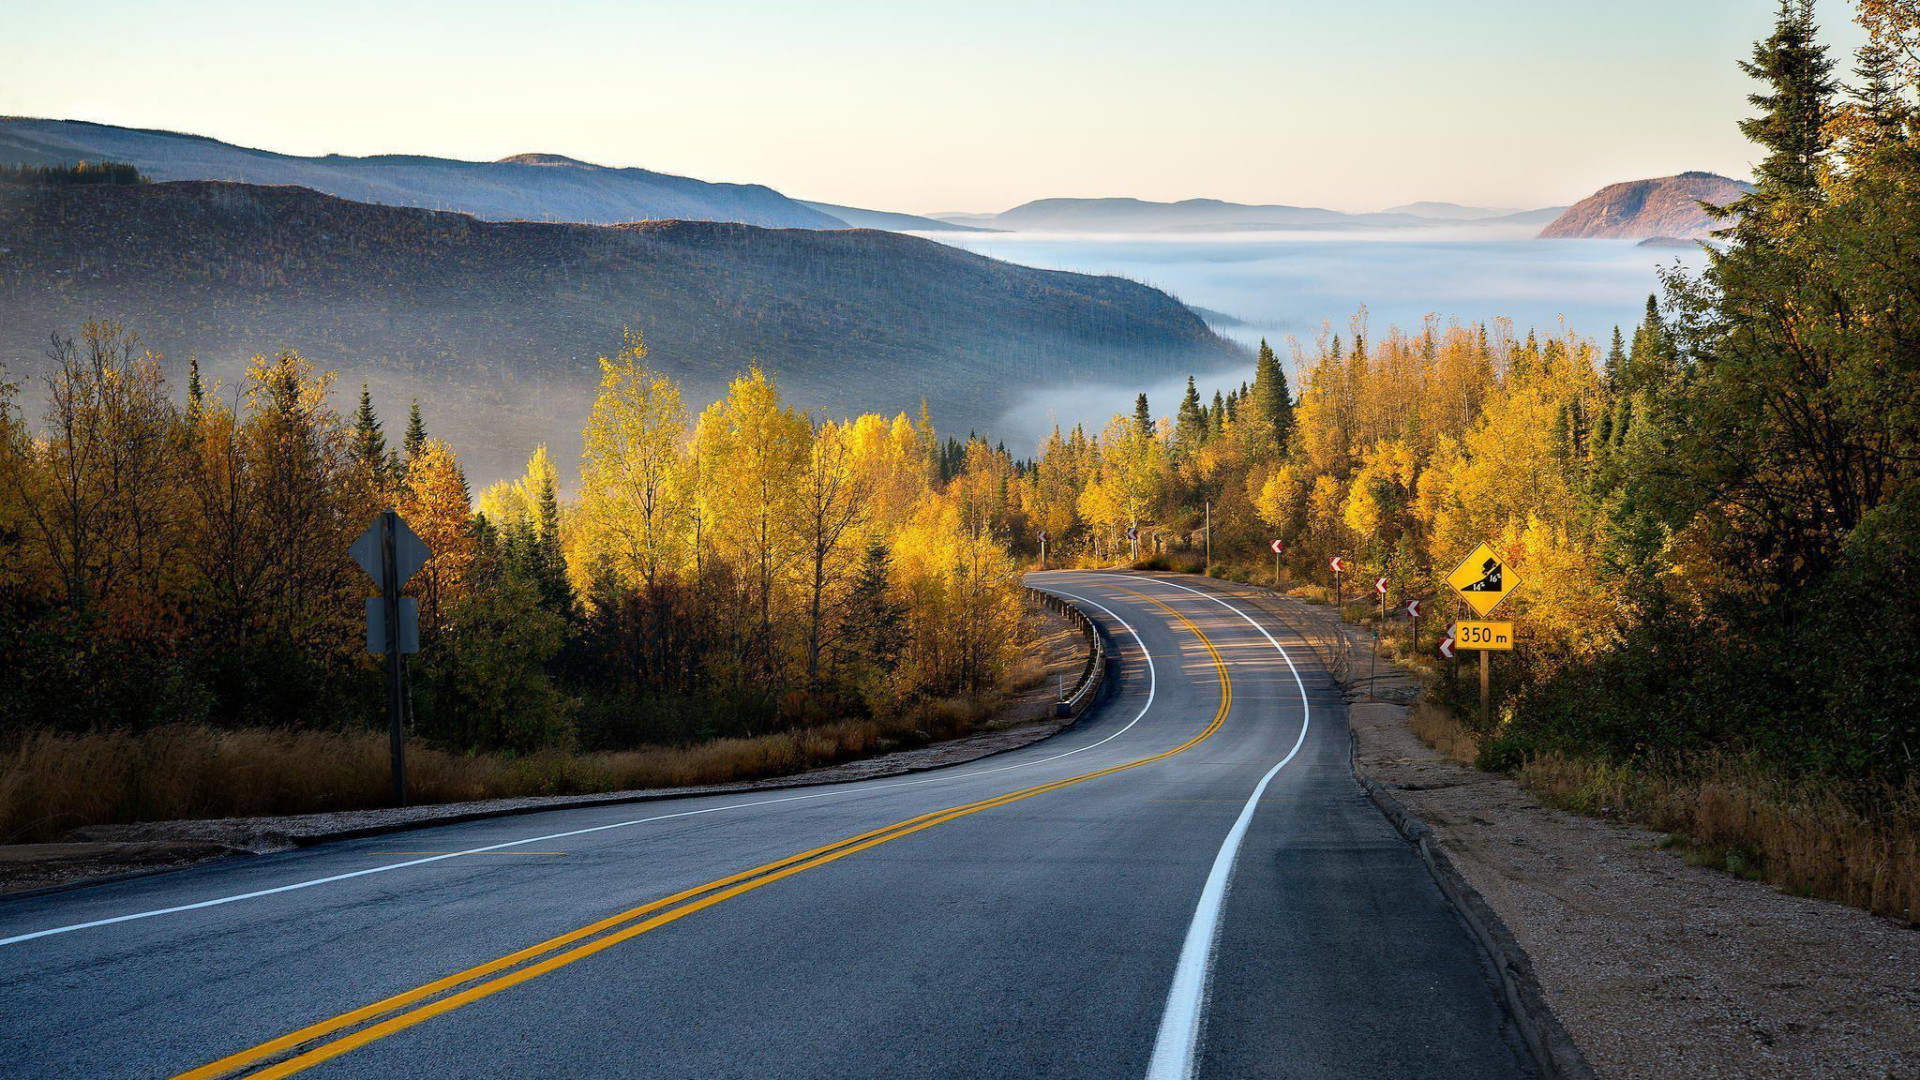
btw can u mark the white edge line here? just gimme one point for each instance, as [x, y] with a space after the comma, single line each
[1152, 681]
[1176, 1048]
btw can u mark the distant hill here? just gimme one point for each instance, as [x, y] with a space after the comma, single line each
[1666, 206]
[1138, 215]
[1446, 211]
[884, 219]
[529, 187]
[1526, 217]
[1215, 215]
[495, 326]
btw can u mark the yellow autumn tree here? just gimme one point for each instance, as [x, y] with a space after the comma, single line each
[435, 501]
[633, 514]
[752, 451]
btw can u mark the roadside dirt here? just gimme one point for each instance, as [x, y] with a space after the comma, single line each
[1657, 968]
[104, 851]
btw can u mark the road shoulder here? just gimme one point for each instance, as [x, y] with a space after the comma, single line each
[1658, 968]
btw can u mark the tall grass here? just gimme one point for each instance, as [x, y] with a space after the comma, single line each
[1803, 836]
[1432, 724]
[51, 783]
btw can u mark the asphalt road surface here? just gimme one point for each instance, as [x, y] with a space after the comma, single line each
[1187, 883]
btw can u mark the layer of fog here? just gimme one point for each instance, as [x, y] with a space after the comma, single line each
[1303, 283]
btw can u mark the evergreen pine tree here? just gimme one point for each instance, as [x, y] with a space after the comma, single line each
[550, 562]
[1190, 426]
[369, 440]
[1269, 404]
[1792, 125]
[416, 437]
[1616, 359]
[880, 622]
[1143, 415]
[1882, 109]
[196, 391]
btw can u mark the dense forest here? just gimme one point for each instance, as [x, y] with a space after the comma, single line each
[1714, 512]
[751, 569]
[499, 323]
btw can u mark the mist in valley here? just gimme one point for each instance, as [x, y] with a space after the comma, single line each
[1301, 284]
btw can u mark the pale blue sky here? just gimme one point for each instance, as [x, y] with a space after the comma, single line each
[896, 105]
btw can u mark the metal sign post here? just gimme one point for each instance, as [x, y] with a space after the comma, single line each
[1209, 537]
[390, 553]
[1483, 581]
[1043, 551]
[1379, 587]
[1486, 693]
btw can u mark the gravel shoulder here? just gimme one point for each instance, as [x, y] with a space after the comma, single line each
[109, 852]
[1657, 968]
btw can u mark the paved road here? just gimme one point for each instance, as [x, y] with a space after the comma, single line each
[1187, 883]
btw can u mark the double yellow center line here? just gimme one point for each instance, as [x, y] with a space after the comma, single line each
[328, 1039]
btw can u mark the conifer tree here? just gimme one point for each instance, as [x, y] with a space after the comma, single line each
[1190, 426]
[1881, 109]
[1269, 404]
[370, 441]
[550, 560]
[1792, 125]
[196, 391]
[416, 437]
[1143, 415]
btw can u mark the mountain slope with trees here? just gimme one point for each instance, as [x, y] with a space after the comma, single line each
[523, 187]
[501, 322]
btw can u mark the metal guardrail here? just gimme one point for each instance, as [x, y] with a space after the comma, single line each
[1093, 674]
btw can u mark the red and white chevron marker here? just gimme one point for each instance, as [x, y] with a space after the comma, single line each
[1339, 564]
[1413, 609]
[1278, 546]
[1446, 646]
[1380, 585]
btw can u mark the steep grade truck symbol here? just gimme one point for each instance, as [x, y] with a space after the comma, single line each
[1489, 578]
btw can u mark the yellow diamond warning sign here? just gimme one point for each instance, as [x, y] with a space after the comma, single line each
[1483, 580]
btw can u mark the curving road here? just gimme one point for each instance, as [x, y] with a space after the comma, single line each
[1188, 883]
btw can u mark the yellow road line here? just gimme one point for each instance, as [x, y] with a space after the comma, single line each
[499, 977]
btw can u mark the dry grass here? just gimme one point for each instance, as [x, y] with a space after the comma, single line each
[1735, 814]
[1432, 724]
[52, 783]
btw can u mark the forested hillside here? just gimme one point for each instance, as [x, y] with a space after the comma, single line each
[500, 322]
[531, 187]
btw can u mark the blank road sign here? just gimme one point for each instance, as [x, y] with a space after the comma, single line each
[410, 553]
[377, 625]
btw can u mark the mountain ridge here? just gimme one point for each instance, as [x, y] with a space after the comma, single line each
[1125, 214]
[529, 187]
[498, 324]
